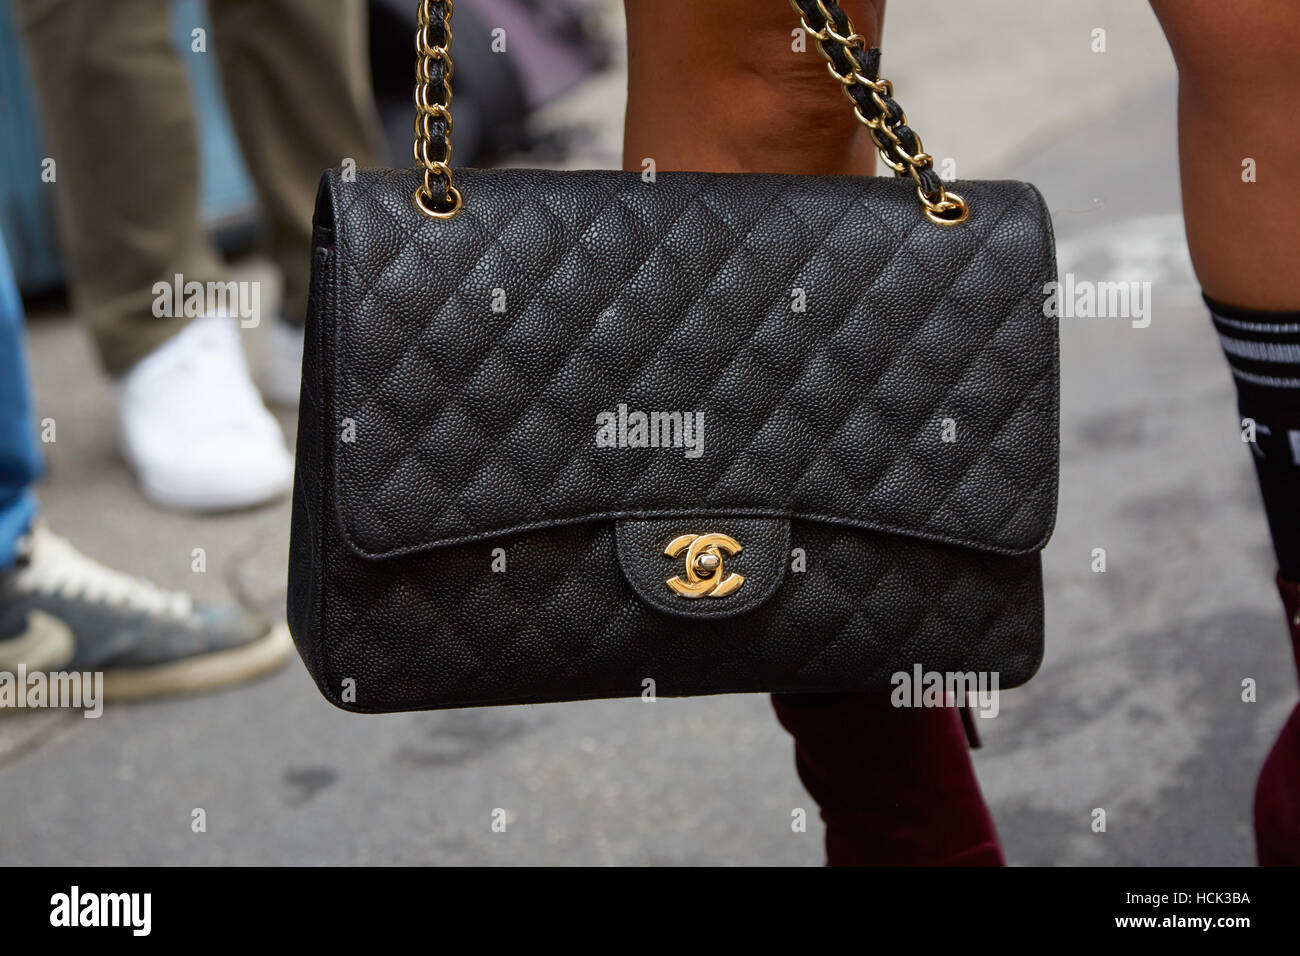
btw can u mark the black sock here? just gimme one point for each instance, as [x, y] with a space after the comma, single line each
[1263, 352]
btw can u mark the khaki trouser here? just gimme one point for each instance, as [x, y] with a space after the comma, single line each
[118, 120]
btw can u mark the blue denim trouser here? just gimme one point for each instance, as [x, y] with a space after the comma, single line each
[20, 456]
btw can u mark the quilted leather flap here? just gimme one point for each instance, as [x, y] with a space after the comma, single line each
[582, 346]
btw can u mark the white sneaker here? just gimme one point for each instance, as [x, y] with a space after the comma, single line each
[194, 428]
[282, 379]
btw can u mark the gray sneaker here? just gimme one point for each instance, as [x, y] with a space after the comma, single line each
[63, 611]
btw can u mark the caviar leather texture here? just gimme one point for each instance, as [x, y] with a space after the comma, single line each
[876, 397]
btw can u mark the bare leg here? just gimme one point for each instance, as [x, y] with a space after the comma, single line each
[1238, 96]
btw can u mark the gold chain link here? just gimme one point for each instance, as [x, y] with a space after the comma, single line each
[442, 201]
[950, 208]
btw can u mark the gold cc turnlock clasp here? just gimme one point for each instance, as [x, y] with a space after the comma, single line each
[705, 575]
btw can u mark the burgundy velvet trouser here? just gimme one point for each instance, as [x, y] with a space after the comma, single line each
[895, 785]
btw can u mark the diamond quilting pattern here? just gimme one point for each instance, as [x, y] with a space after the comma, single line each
[677, 296]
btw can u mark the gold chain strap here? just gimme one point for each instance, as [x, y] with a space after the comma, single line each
[947, 208]
[432, 103]
[444, 200]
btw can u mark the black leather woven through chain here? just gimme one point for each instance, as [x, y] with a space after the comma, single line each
[439, 36]
[867, 63]
[879, 397]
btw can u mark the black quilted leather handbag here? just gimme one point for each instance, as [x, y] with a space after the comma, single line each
[572, 435]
